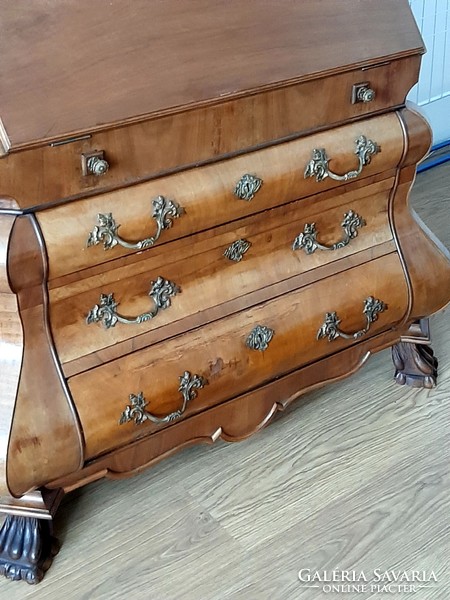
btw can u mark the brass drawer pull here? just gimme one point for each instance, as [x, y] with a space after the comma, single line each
[259, 338]
[318, 165]
[164, 211]
[308, 239]
[135, 411]
[247, 186]
[97, 166]
[362, 92]
[330, 327]
[94, 163]
[236, 250]
[106, 312]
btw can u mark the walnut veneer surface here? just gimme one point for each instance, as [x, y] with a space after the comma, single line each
[194, 236]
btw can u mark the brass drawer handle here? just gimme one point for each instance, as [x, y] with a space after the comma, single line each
[330, 327]
[318, 165]
[247, 186]
[308, 238]
[106, 312]
[135, 411]
[164, 211]
[259, 338]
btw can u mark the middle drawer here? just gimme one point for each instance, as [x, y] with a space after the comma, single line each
[223, 265]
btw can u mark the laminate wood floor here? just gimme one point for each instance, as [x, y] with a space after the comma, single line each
[354, 476]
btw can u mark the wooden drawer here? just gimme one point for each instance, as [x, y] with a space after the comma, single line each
[207, 194]
[208, 279]
[219, 352]
[157, 146]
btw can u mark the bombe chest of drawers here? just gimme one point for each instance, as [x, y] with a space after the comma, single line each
[203, 214]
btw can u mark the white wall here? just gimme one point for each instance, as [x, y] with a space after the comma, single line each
[432, 93]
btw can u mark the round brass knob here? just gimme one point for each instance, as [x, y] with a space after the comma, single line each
[366, 94]
[97, 166]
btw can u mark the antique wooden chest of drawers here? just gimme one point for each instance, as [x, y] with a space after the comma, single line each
[203, 214]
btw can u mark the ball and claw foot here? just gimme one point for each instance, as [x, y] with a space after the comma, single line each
[27, 548]
[415, 365]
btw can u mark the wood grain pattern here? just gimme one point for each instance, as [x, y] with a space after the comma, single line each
[218, 352]
[355, 476]
[429, 269]
[146, 150]
[207, 194]
[217, 50]
[192, 86]
[418, 135]
[11, 350]
[100, 357]
[206, 278]
[45, 434]
[353, 189]
[231, 421]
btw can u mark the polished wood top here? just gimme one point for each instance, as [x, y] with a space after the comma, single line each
[73, 65]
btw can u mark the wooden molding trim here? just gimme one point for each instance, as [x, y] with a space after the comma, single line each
[39, 504]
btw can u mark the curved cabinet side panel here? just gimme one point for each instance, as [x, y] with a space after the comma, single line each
[426, 260]
[418, 135]
[11, 350]
[46, 437]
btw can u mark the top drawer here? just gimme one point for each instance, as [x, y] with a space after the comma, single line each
[157, 146]
[209, 196]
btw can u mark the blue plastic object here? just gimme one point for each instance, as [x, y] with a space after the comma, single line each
[434, 162]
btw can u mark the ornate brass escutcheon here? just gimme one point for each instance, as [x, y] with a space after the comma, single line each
[318, 165]
[247, 186]
[135, 411]
[236, 250]
[308, 238]
[330, 327]
[259, 338]
[106, 312]
[164, 211]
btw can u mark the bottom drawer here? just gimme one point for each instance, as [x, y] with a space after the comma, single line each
[144, 391]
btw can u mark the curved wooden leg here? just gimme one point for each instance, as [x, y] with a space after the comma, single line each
[414, 360]
[27, 546]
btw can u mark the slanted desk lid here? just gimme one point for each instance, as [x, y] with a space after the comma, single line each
[71, 66]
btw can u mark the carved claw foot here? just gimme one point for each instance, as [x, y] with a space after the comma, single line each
[26, 548]
[415, 365]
